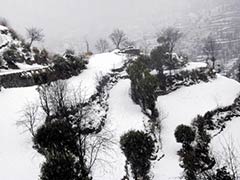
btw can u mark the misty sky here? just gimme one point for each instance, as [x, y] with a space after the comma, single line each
[67, 23]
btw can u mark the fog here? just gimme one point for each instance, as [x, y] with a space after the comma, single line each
[67, 23]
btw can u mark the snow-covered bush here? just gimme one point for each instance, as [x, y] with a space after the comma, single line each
[40, 56]
[68, 65]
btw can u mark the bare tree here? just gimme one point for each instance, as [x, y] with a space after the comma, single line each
[30, 118]
[168, 39]
[102, 45]
[69, 106]
[34, 34]
[230, 157]
[53, 97]
[118, 37]
[210, 48]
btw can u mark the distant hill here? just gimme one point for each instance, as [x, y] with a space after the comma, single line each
[223, 23]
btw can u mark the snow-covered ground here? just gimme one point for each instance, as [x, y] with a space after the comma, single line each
[23, 67]
[194, 65]
[99, 65]
[180, 107]
[17, 158]
[188, 67]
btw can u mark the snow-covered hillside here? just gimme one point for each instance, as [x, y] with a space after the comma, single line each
[180, 107]
[99, 65]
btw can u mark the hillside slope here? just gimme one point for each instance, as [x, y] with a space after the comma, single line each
[180, 107]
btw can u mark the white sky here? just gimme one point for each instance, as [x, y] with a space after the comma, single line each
[69, 22]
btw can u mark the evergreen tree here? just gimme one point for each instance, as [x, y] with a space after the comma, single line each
[138, 148]
[143, 85]
[184, 134]
[195, 157]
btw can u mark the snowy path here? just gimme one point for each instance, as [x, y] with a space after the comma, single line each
[98, 65]
[181, 107]
[123, 115]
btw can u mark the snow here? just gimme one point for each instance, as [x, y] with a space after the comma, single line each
[23, 67]
[194, 65]
[181, 106]
[99, 65]
[188, 67]
[17, 158]
[3, 28]
[123, 116]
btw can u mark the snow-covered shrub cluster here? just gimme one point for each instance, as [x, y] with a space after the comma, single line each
[216, 119]
[186, 78]
[62, 67]
[68, 65]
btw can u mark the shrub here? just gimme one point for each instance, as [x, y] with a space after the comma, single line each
[58, 168]
[222, 174]
[184, 134]
[52, 137]
[138, 148]
[68, 66]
